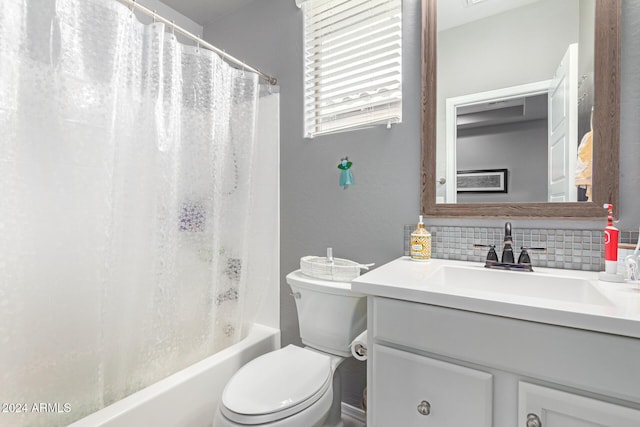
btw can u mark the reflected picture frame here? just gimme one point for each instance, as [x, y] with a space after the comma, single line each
[482, 181]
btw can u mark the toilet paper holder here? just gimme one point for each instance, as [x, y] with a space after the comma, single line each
[359, 346]
[360, 350]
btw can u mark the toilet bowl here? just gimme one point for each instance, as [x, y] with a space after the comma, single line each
[287, 387]
[299, 386]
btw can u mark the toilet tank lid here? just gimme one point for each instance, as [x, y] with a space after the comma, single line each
[277, 381]
[298, 278]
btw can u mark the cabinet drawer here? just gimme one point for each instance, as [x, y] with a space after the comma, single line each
[455, 395]
[555, 408]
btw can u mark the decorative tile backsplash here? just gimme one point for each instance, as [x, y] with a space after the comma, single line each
[629, 237]
[569, 249]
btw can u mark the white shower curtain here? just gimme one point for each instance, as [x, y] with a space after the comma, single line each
[125, 185]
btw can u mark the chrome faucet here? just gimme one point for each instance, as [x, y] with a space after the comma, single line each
[507, 261]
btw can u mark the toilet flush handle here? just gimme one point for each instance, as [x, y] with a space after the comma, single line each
[296, 295]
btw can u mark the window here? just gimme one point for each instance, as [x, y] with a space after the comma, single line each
[353, 64]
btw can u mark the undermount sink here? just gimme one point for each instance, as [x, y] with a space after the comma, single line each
[518, 284]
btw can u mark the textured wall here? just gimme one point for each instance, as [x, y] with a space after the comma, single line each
[365, 222]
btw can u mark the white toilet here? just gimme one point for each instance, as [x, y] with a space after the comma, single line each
[295, 386]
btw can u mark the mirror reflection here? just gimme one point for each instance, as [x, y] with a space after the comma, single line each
[515, 99]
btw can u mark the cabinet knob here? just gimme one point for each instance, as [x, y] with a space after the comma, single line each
[533, 421]
[424, 407]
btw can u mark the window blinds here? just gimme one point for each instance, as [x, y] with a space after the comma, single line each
[353, 64]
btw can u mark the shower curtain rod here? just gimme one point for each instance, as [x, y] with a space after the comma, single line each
[198, 40]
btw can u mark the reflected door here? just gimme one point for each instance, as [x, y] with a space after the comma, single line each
[563, 129]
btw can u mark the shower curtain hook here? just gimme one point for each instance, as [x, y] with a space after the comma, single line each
[154, 16]
[173, 28]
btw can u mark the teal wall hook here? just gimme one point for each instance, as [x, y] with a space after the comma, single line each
[346, 177]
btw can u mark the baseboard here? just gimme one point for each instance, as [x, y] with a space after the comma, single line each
[355, 413]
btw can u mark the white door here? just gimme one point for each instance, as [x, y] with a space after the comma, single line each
[553, 408]
[563, 129]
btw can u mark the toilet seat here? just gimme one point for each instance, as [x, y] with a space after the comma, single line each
[276, 385]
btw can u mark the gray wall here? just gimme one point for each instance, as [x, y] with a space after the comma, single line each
[519, 147]
[365, 222]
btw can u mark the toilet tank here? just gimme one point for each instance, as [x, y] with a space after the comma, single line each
[330, 315]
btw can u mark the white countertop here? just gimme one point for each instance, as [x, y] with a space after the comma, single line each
[405, 279]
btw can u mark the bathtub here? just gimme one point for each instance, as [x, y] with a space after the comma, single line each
[188, 398]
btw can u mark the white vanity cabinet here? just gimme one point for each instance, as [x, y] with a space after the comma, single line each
[434, 366]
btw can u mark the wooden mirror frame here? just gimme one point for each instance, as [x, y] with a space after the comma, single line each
[606, 121]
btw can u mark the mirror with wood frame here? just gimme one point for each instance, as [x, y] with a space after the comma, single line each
[606, 108]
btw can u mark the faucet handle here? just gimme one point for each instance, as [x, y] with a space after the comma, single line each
[524, 255]
[492, 255]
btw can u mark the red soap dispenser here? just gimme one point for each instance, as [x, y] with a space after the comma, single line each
[610, 273]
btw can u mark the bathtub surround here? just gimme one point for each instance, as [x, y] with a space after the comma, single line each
[132, 174]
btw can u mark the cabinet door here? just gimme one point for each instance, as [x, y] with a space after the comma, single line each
[554, 408]
[410, 390]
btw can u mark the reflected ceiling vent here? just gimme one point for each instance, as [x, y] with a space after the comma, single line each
[469, 3]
